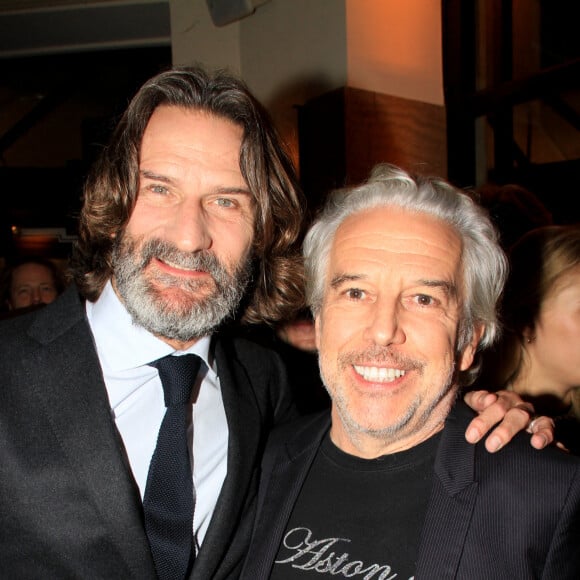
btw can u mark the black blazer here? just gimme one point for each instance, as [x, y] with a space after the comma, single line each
[69, 506]
[510, 515]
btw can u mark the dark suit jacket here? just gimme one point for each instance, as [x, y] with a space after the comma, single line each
[69, 507]
[510, 515]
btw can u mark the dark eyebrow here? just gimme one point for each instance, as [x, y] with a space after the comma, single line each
[234, 191]
[449, 288]
[155, 176]
[340, 279]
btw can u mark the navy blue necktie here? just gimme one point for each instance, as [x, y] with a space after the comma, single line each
[169, 499]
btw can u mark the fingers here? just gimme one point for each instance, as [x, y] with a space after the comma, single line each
[542, 430]
[508, 412]
[480, 400]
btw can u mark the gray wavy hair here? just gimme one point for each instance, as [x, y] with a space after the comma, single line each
[484, 262]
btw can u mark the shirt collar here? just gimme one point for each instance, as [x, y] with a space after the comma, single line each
[123, 344]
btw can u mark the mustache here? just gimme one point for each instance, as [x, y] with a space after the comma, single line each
[380, 356]
[202, 260]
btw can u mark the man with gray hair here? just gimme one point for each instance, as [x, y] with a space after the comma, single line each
[404, 274]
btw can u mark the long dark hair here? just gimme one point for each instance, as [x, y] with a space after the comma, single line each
[111, 189]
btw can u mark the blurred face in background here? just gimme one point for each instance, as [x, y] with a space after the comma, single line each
[553, 345]
[31, 284]
[299, 333]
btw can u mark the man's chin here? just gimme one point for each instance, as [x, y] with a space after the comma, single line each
[178, 319]
[180, 298]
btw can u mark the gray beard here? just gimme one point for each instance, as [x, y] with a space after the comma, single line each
[190, 317]
[391, 433]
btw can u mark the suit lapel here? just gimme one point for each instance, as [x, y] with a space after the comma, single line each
[451, 504]
[72, 393]
[244, 426]
[285, 469]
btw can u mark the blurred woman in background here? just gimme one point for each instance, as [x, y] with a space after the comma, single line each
[539, 354]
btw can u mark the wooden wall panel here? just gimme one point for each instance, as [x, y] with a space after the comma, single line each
[383, 128]
[343, 134]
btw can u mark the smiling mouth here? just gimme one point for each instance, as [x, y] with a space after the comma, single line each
[179, 267]
[378, 374]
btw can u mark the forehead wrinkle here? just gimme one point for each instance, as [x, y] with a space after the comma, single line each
[176, 135]
[384, 238]
[398, 236]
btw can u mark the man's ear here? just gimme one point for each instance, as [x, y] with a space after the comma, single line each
[317, 331]
[468, 354]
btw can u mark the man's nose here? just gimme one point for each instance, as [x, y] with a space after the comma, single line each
[384, 324]
[35, 295]
[189, 228]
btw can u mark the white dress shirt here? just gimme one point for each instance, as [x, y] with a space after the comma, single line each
[136, 398]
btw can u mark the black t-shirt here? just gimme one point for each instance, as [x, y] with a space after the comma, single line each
[358, 518]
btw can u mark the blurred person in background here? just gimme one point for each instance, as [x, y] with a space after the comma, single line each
[539, 354]
[30, 282]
